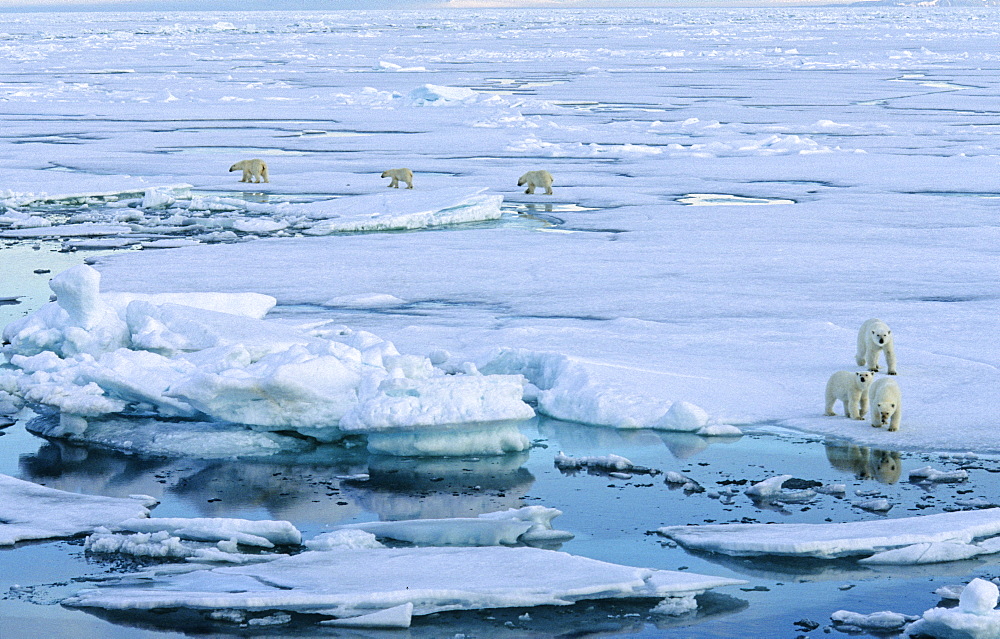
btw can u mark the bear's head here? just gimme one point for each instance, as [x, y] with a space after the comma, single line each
[864, 378]
[885, 411]
[880, 334]
[886, 466]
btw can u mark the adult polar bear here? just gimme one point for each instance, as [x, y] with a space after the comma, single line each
[254, 170]
[874, 338]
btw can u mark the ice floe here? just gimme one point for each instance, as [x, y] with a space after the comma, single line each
[852, 539]
[29, 511]
[528, 525]
[345, 582]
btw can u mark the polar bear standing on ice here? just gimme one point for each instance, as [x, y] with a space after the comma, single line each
[886, 402]
[406, 175]
[535, 179]
[851, 388]
[254, 170]
[874, 338]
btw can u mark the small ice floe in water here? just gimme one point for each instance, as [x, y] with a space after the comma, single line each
[770, 490]
[934, 476]
[880, 505]
[829, 541]
[975, 617]
[926, 553]
[723, 199]
[606, 464]
[688, 485]
[884, 621]
[530, 525]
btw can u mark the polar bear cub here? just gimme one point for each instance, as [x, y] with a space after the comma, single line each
[254, 170]
[406, 175]
[874, 338]
[535, 179]
[851, 388]
[886, 403]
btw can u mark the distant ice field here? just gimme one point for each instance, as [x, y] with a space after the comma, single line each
[871, 134]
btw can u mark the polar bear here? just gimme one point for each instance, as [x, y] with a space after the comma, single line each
[851, 388]
[881, 465]
[406, 175]
[536, 179]
[886, 402]
[254, 170]
[873, 338]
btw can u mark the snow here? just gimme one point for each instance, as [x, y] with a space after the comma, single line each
[859, 538]
[29, 511]
[346, 582]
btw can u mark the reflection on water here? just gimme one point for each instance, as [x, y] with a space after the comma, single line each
[884, 466]
[293, 487]
[400, 488]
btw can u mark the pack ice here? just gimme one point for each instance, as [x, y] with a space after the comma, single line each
[97, 360]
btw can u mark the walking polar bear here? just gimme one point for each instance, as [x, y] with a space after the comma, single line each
[851, 388]
[536, 179]
[874, 338]
[254, 170]
[406, 175]
[886, 402]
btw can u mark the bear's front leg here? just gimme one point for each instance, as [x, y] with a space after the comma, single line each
[855, 399]
[246, 176]
[863, 408]
[890, 360]
[894, 422]
[394, 184]
[871, 356]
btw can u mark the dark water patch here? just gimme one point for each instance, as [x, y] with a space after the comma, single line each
[979, 194]
[950, 299]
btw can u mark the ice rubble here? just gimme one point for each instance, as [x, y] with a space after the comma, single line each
[579, 390]
[938, 537]
[30, 511]
[975, 617]
[94, 357]
[350, 582]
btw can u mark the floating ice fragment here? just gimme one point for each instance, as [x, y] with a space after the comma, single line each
[606, 463]
[928, 474]
[861, 538]
[884, 621]
[875, 505]
[261, 533]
